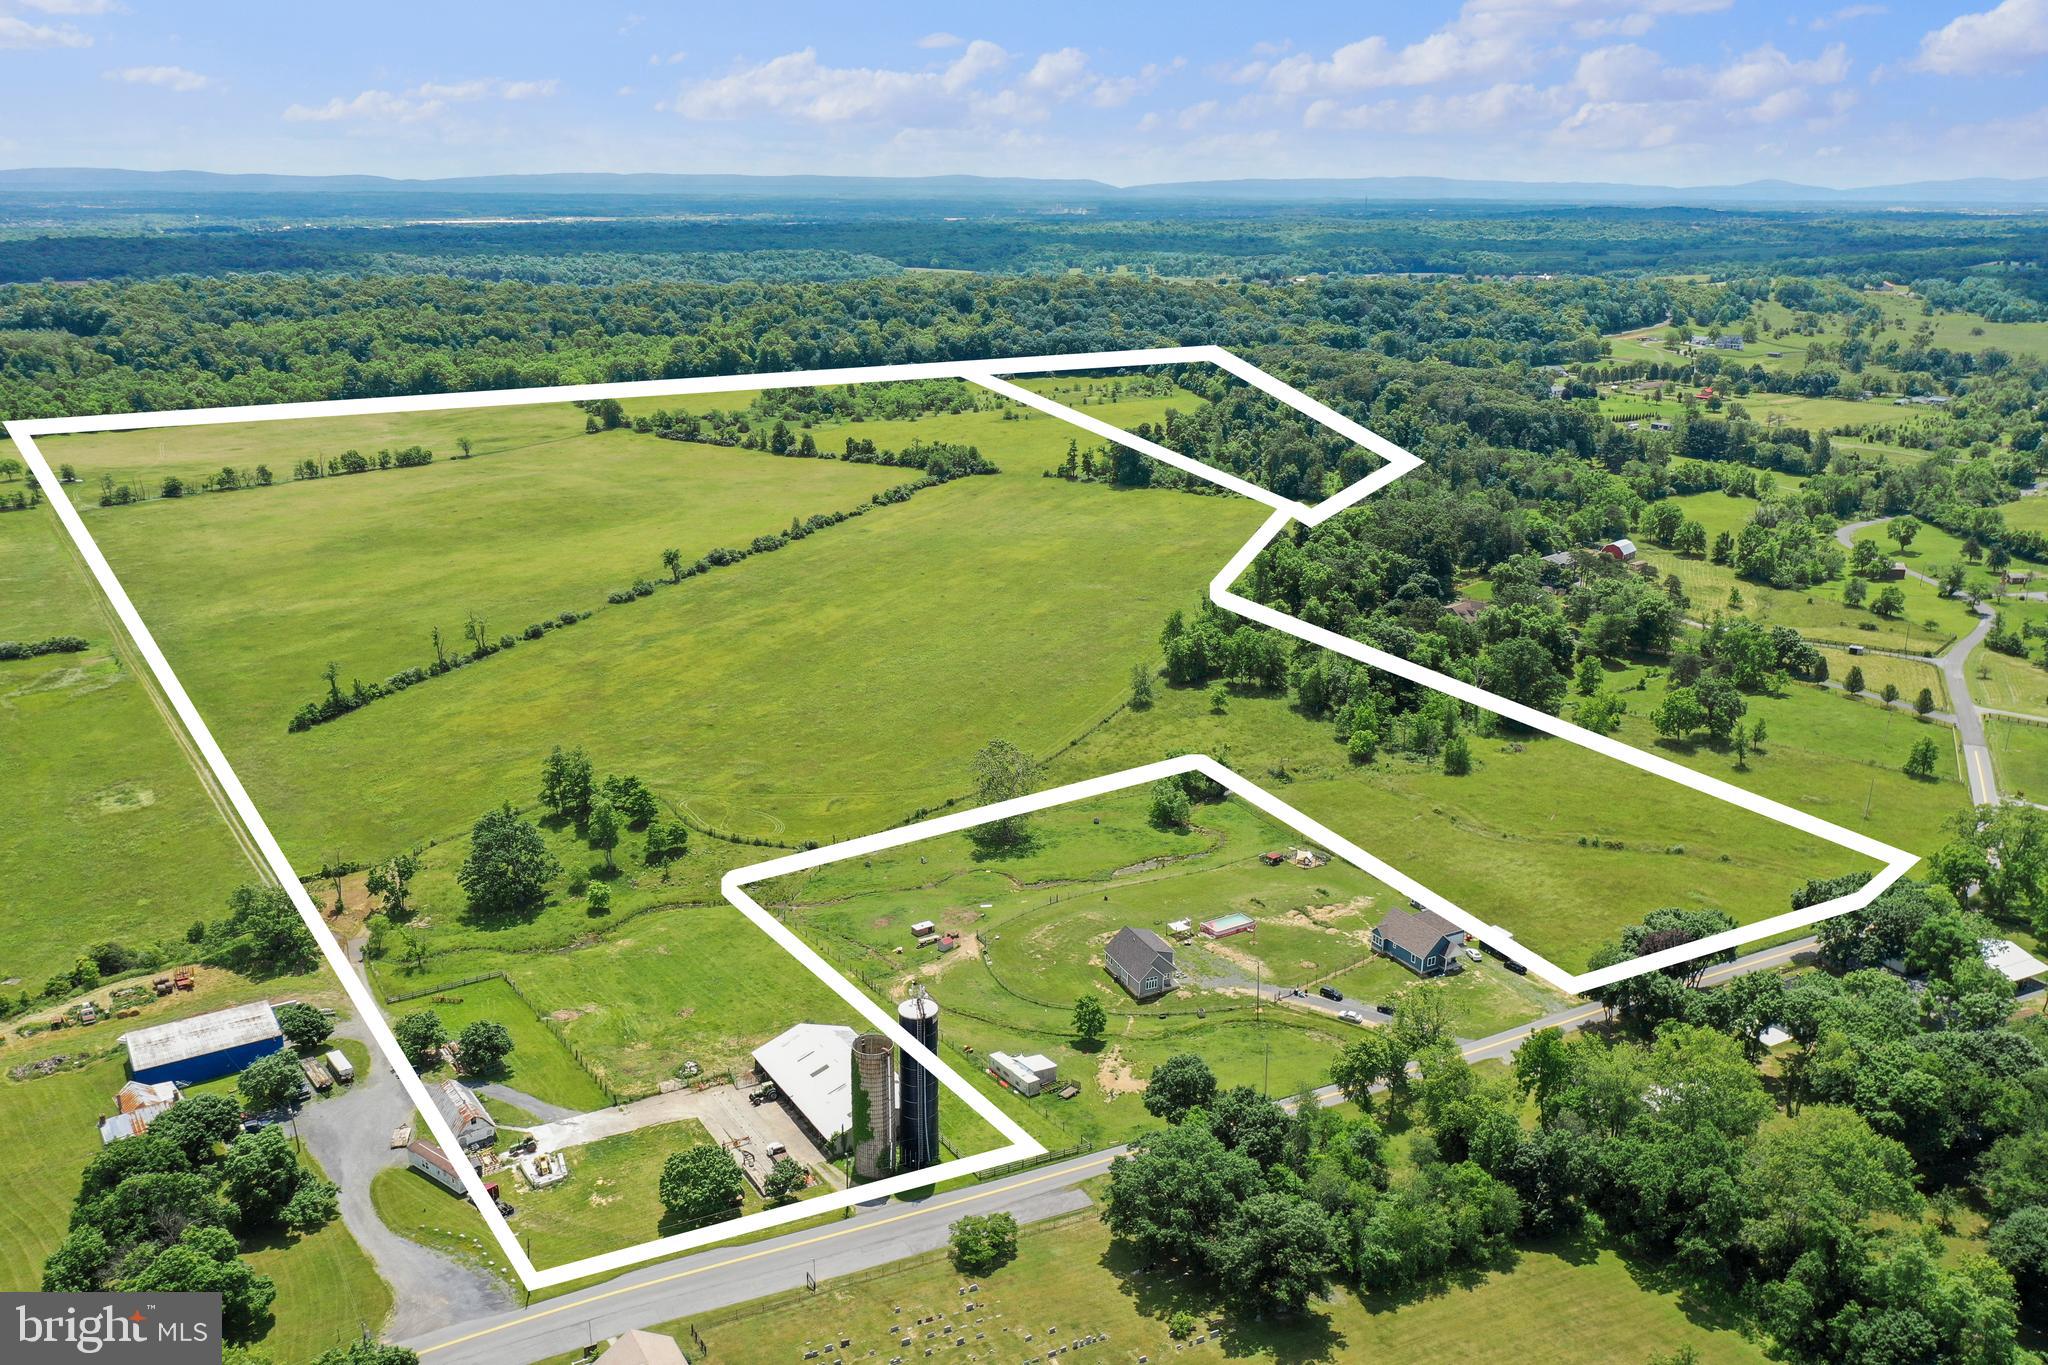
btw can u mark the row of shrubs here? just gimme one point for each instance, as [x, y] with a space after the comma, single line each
[341, 701]
[29, 649]
[231, 480]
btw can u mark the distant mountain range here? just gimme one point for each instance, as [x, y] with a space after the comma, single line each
[1982, 192]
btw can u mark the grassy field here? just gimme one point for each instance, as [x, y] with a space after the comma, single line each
[610, 1198]
[1908, 675]
[1563, 874]
[328, 1291]
[1033, 922]
[1557, 1304]
[109, 833]
[416, 1208]
[948, 627]
[2004, 681]
[2019, 752]
[1929, 624]
[540, 1064]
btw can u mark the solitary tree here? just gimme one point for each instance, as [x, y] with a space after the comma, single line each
[262, 1172]
[604, 830]
[420, 1033]
[1890, 602]
[1924, 703]
[1002, 771]
[983, 1243]
[392, 883]
[1090, 1020]
[271, 1082]
[672, 560]
[700, 1182]
[1141, 687]
[1457, 756]
[1854, 682]
[485, 1045]
[784, 1181]
[303, 1025]
[508, 867]
[1920, 762]
[1170, 809]
[598, 899]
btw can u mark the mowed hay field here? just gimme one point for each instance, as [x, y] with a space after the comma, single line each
[1556, 1304]
[109, 833]
[824, 690]
[1929, 624]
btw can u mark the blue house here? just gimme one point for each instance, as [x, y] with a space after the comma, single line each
[1421, 940]
[205, 1046]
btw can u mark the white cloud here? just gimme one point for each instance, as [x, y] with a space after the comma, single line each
[1622, 72]
[1996, 40]
[423, 101]
[164, 77]
[71, 7]
[20, 33]
[1845, 15]
[797, 85]
[938, 40]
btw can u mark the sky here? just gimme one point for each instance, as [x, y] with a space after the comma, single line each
[1676, 92]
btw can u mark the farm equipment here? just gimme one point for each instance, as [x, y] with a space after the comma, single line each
[183, 980]
[764, 1094]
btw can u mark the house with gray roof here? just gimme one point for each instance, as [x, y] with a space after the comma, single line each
[1141, 961]
[1421, 940]
[465, 1114]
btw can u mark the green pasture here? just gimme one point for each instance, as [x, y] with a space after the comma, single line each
[540, 1065]
[668, 987]
[1952, 330]
[950, 629]
[110, 835]
[1554, 1303]
[1908, 675]
[2006, 682]
[1517, 842]
[52, 1124]
[1929, 624]
[2026, 514]
[1034, 921]
[2019, 754]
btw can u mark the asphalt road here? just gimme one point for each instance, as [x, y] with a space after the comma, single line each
[875, 1236]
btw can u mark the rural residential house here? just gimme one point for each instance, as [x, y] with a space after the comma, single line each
[465, 1114]
[1141, 961]
[1420, 940]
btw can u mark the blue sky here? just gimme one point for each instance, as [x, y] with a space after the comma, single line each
[1667, 91]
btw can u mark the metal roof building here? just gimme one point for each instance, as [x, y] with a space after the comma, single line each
[812, 1065]
[189, 1051]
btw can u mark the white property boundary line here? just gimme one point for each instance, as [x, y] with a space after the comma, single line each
[988, 374]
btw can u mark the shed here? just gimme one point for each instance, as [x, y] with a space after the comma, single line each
[2009, 960]
[1223, 926]
[1421, 940]
[1026, 1075]
[1623, 549]
[812, 1065]
[1466, 608]
[466, 1114]
[136, 1105]
[636, 1347]
[1141, 961]
[205, 1046]
[922, 928]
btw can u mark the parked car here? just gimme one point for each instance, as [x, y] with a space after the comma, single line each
[1474, 953]
[1329, 993]
[1517, 968]
[1351, 1016]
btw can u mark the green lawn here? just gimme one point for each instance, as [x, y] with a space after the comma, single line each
[415, 1207]
[540, 1064]
[328, 1290]
[610, 1199]
[52, 1124]
[109, 833]
[1908, 675]
[1034, 922]
[2019, 752]
[1557, 1304]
